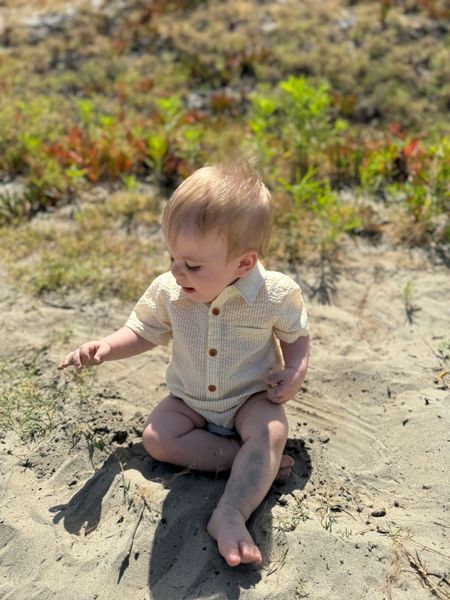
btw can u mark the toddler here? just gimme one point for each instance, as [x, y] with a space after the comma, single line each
[240, 346]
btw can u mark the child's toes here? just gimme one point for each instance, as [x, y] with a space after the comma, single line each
[287, 461]
[249, 553]
[283, 475]
[285, 470]
[230, 551]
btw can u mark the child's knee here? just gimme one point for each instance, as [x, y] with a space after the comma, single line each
[278, 432]
[148, 438]
[273, 431]
[154, 444]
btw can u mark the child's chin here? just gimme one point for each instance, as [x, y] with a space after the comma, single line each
[193, 294]
[199, 298]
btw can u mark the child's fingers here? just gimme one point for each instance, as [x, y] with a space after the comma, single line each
[276, 392]
[273, 379]
[278, 395]
[85, 352]
[85, 355]
[270, 391]
[99, 356]
[275, 383]
[281, 393]
[66, 362]
[76, 359]
[276, 399]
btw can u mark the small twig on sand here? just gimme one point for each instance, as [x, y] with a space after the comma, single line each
[126, 560]
[56, 305]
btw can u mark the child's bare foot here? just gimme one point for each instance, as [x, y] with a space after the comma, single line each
[285, 470]
[227, 527]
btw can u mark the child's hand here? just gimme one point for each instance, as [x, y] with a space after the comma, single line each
[91, 353]
[283, 385]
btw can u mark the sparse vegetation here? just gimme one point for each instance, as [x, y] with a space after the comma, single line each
[106, 248]
[405, 557]
[33, 396]
[443, 372]
[142, 105]
[410, 308]
[291, 515]
[28, 406]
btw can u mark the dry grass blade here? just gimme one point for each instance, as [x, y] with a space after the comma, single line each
[277, 554]
[426, 577]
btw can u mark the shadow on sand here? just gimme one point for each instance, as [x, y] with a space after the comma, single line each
[184, 561]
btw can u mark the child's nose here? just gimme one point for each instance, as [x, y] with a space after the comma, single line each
[177, 270]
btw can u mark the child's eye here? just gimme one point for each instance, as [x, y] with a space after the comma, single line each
[192, 267]
[188, 267]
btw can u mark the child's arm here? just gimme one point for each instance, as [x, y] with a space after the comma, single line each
[121, 344]
[283, 385]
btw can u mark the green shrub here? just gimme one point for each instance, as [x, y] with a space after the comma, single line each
[292, 126]
[329, 216]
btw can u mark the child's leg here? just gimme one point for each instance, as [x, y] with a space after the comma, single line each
[263, 428]
[176, 434]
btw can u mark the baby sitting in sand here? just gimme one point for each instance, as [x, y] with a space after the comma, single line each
[240, 346]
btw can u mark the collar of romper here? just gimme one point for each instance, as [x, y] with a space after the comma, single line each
[250, 285]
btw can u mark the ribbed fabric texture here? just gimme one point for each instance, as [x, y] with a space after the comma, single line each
[222, 352]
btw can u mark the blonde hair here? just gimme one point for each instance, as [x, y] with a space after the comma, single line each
[230, 198]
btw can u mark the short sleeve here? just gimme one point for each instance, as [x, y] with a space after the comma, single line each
[292, 321]
[150, 317]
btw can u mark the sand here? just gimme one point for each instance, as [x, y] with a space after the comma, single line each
[365, 514]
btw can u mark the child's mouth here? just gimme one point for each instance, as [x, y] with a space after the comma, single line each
[188, 290]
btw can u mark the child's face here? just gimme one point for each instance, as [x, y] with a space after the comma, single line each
[200, 266]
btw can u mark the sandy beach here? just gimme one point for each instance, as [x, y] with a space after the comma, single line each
[86, 514]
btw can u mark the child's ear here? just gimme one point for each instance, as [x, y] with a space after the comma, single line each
[246, 263]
